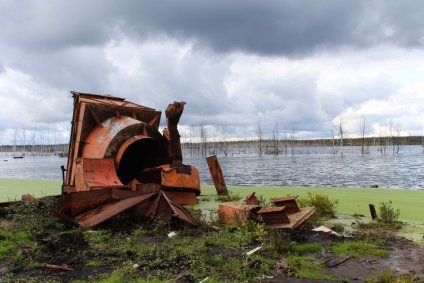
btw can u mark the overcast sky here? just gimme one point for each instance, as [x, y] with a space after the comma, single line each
[302, 65]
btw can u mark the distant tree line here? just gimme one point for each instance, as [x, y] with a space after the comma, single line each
[204, 140]
[38, 149]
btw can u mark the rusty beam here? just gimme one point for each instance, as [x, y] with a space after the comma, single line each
[217, 177]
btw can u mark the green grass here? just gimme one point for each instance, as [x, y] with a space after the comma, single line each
[358, 249]
[308, 268]
[306, 248]
[13, 189]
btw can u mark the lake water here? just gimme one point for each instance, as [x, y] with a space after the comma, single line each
[404, 170]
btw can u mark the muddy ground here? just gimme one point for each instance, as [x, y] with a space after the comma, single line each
[67, 247]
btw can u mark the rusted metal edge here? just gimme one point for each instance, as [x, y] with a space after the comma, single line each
[180, 211]
[295, 219]
[99, 215]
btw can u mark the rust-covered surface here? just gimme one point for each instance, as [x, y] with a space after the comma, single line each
[289, 202]
[295, 219]
[234, 213]
[119, 161]
[217, 176]
[286, 214]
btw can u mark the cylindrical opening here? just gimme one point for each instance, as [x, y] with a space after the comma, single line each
[139, 155]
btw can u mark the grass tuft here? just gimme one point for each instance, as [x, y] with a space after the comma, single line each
[359, 249]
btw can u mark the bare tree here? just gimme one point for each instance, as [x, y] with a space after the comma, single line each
[275, 139]
[225, 138]
[364, 149]
[292, 140]
[398, 138]
[334, 143]
[214, 141]
[203, 139]
[34, 132]
[391, 137]
[260, 138]
[342, 132]
[285, 140]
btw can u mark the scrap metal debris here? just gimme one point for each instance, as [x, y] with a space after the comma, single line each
[251, 199]
[119, 161]
[286, 214]
[217, 177]
[236, 213]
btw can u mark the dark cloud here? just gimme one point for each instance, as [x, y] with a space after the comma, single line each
[262, 27]
[302, 63]
[282, 27]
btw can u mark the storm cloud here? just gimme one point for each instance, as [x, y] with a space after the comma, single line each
[302, 65]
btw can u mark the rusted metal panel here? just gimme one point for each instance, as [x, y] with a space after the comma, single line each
[289, 202]
[75, 141]
[274, 215]
[251, 199]
[100, 214]
[295, 219]
[236, 213]
[173, 176]
[217, 177]
[182, 197]
[180, 211]
[147, 188]
[75, 203]
[96, 174]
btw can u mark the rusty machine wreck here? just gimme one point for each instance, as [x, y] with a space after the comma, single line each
[119, 161]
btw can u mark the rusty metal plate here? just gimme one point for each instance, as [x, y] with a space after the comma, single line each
[236, 213]
[289, 202]
[105, 212]
[100, 173]
[274, 215]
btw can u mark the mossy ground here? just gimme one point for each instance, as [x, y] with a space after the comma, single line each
[107, 253]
